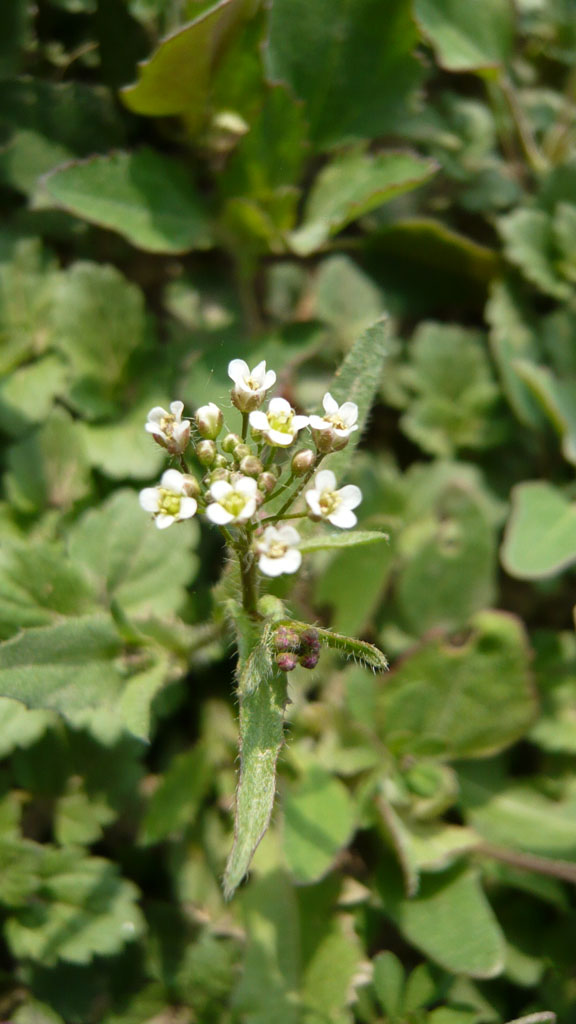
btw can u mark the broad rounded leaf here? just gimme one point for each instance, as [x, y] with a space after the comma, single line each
[318, 822]
[540, 538]
[467, 36]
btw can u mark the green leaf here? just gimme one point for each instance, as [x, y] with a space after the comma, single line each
[513, 339]
[352, 586]
[540, 538]
[352, 185]
[79, 818]
[389, 980]
[335, 541]
[175, 803]
[28, 393]
[146, 197]
[557, 398]
[38, 586]
[65, 667]
[261, 737]
[319, 820]
[346, 298]
[529, 245]
[122, 450]
[143, 569]
[49, 468]
[14, 19]
[176, 79]
[80, 909]
[450, 921]
[326, 991]
[473, 697]
[27, 283]
[467, 37]
[354, 70]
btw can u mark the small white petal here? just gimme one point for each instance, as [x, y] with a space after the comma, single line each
[299, 422]
[325, 480]
[270, 566]
[258, 373]
[281, 439]
[349, 413]
[312, 499]
[173, 481]
[291, 561]
[279, 405]
[269, 380]
[248, 511]
[344, 431]
[350, 496]
[238, 370]
[246, 485]
[181, 431]
[317, 423]
[163, 521]
[344, 518]
[220, 489]
[148, 499]
[154, 428]
[157, 413]
[330, 405]
[188, 508]
[258, 420]
[288, 535]
[177, 408]
[218, 514]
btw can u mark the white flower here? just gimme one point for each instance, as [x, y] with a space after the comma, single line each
[280, 424]
[170, 502]
[278, 550]
[233, 503]
[168, 429]
[331, 431]
[250, 386]
[209, 421]
[325, 502]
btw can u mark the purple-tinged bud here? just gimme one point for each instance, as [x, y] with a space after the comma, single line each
[267, 482]
[287, 662]
[251, 466]
[206, 452]
[209, 421]
[230, 442]
[286, 639]
[310, 640]
[309, 660]
[302, 462]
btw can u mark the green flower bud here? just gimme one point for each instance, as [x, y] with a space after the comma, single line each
[209, 421]
[251, 466]
[206, 452]
[302, 462]
[267, 482]
[230, 442]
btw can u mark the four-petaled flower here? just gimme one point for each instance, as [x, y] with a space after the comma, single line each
[171, 501]
[168, 429]
[233, 503]
[280, 424]
[331, 431]
[325, 502]
[278, 550]
[250, 386]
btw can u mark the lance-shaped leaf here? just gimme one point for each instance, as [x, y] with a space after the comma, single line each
[352, 185]
[144, 196]
[261, 737]
[176, 78]
[540, 538]
[336, 541]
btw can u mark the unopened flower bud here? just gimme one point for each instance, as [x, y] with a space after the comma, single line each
[302, 462]
[230, 442]
[241, 451]
[190, 485]
[286, 661]
[251, 466]
[310, 641]
[267, 482]
[206, 452]
[209, 421]
[286, 639]
[220, 462]
[309, 660]
[218, 474]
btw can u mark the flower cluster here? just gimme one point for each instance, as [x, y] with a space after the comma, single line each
[231, 477]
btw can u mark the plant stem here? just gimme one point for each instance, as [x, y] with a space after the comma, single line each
[245, 418]
[248, 579]
[289, 515]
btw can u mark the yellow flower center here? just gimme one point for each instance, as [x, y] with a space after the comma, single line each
[233, 503]
[328, 502]
[167, 425]
[277, 549]
[281, 421]
[336, 420]
[252, 383]
[169, 502]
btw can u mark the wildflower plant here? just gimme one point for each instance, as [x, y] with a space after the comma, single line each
[254, 485]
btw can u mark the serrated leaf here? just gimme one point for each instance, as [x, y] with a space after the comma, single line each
[81, 909]
[38, 586]
[145, 570]
[467, 37]
[352, 185]
[473, 698]
[556, 395]
[319, 819]
[336, 541]
[175, 803]
[146, 197]
[27, 283]
[353, 71]
[540, 537]
[49, 468]
[176, 78]
[529, 245]
[28, 394]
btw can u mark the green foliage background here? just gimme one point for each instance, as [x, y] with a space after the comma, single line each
[268, 182]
